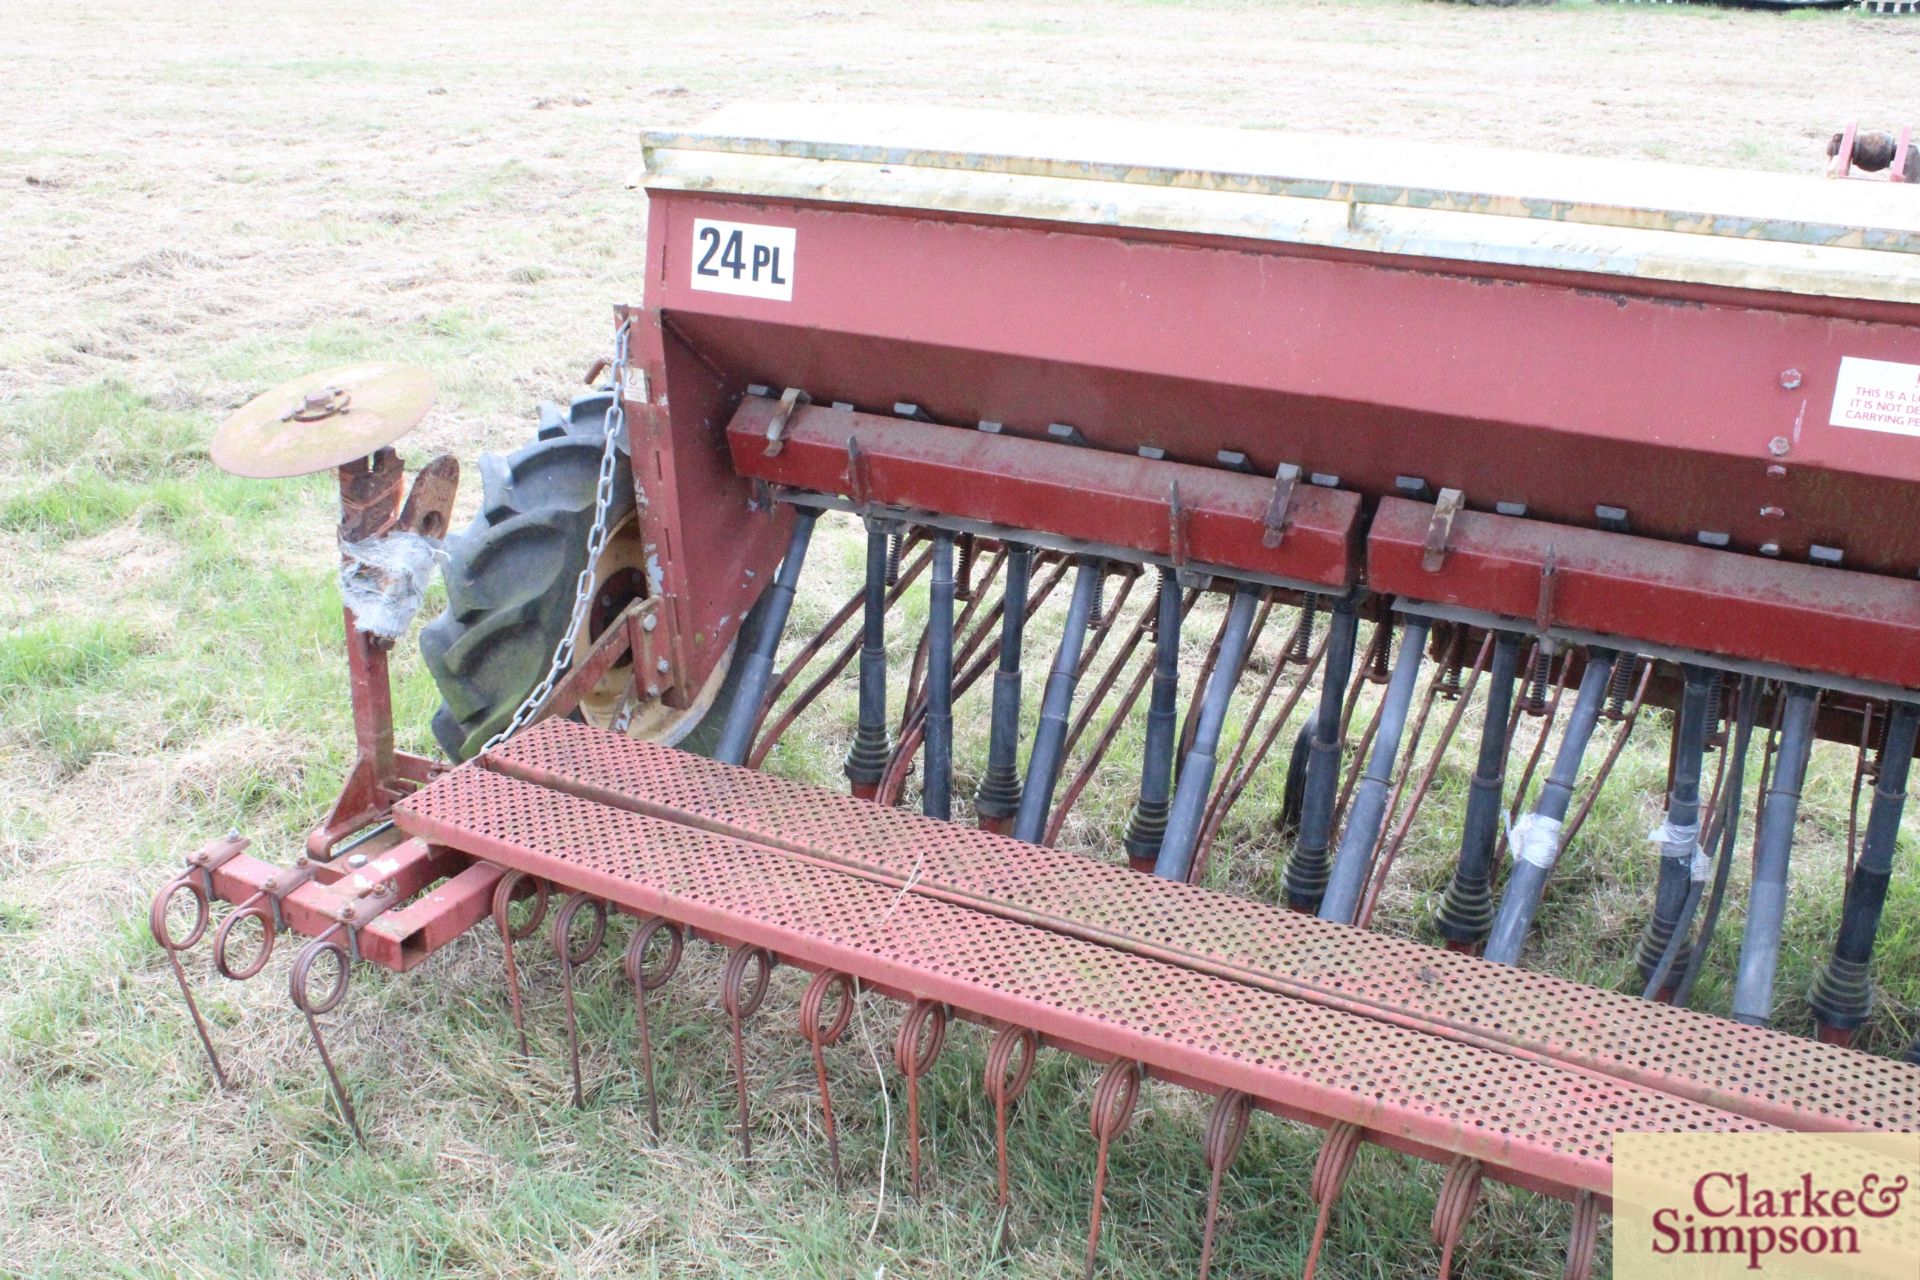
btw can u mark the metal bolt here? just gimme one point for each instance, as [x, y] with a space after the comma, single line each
[346, 912]
[233, 833]
[1778, 446]
[661, 666]
[357, 860]
[1790, 378]
[649, 622]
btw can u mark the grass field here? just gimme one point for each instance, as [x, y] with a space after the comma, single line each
[201, 202]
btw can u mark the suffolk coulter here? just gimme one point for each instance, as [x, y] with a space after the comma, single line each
[1423, 444]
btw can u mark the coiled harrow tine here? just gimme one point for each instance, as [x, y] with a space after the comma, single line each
[1330, 1170]
[1226, 1130]
[1112, 1112]
[741, 997]
[821, 1034]
[300, 987]
[1459, 1192]
[510, 887]
[571, 958]
[923, 1032]
[1010, 1062]
[645, 980]
[172, 946]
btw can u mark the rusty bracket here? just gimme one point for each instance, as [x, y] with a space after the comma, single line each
[859, 474]
[1275, 521]
[1439, 529]
[629, 633]
[213, 855]
[428, 510]
[1177, 526]
[790, 399]
[1549, 584]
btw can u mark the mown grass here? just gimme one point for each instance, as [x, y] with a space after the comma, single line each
[216, 216]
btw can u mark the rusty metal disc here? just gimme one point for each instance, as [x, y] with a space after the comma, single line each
[322, 420]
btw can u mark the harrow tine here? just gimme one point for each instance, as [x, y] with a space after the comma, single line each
[1113, 1100]
[1368, 813]
[923, 1031]
[163, 934]
[867, 755]
[1226, 1130]
[1210, 715]
[1583, 1237]
[1010, 1061]
[1537, 837]
[645, 980]
[1454, 1205]
[743, 715]
[299, 983]
[570, 958]
[1543, 692]
[1466, 912]
[1043, 765]
[742, 1000]
[937, 761]
[1306, 877]
[1679, 835]
[503, 895]
[1330, 1171]
[998, 798]
[1772, 850]
[1149, 821]
[822, 1034]
[1842, 993]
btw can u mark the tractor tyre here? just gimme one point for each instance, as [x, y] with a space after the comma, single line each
[510, 578]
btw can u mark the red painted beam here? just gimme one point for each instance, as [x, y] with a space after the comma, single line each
[1808, 617]
[1088, 495]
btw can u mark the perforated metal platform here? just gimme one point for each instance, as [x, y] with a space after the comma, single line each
[1764, 1075]
[1534, 1122]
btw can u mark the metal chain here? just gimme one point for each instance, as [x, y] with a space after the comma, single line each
[614, 426]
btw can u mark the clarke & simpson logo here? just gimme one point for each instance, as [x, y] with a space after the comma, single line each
[1772, 1205]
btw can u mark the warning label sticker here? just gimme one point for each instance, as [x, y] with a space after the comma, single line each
[1877, 395]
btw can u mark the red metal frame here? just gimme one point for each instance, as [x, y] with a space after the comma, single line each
[1699, 599]
[1196, 515]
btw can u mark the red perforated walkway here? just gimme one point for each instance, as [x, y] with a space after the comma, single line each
[1764, 1075]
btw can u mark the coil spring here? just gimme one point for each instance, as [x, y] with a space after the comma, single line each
[894, 543]
[1302, 645]
[1535, 703]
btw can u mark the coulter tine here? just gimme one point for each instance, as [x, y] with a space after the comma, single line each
[998, 798]
[1726, 834]
[503, 895]
[1842, 993]
[937, 762]
[923, 1031]
[741, 999]
[1149, 822]
[1536, 838]
[1454, 1205]
[1226, 1130]
[645, 980]
[1679, 835]
[1010, 1060]
[822, 1034]
[162, 934]
[1307, 868]
[1466, 913]
[1043, 766]
[1368, 812]
[572, 957]
[1772, 850]
[1196, 773]
[299, 985]
[867, 756]
[1330, 1171]
[1113, 1100]
[743, 716]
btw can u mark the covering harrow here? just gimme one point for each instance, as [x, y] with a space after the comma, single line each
[1418, 445]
